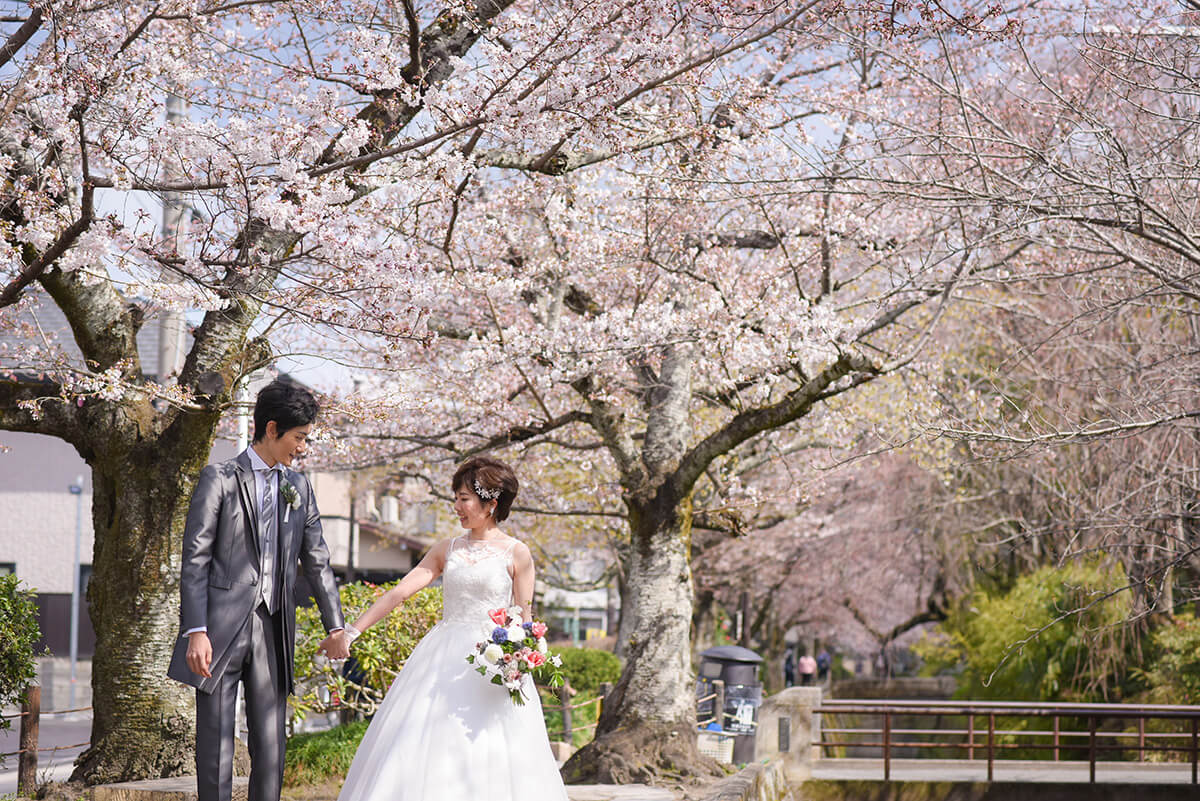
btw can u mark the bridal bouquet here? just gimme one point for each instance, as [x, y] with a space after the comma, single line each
[513, 650]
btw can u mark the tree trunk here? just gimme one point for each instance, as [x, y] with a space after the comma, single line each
[703, 623]
[773, 650]
[647, 731]
[143, 722]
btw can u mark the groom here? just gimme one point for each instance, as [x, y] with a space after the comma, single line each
[250, 520]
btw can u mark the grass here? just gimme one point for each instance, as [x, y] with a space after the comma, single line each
[316, 757]
[579, 717]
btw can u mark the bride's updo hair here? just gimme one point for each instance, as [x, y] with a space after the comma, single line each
[491, 474]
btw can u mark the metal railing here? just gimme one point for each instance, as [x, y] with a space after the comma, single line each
[982, 735]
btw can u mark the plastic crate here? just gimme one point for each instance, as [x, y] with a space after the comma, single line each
[717, 745]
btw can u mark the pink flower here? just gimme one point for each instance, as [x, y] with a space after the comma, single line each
[539, 629]
[498, 616]
[535, 659]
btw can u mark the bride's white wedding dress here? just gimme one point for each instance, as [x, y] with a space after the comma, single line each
[445, 733]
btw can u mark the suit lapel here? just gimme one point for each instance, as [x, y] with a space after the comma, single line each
[246, 489]
[286, 530]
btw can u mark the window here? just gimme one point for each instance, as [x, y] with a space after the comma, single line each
[8, 568]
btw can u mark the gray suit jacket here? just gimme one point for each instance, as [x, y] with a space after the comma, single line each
[219, 580]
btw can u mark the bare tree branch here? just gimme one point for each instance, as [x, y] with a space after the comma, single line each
[18, 39]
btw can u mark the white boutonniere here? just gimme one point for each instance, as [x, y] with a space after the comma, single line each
[291, 496]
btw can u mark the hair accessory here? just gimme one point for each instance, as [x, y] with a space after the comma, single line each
[487, 494]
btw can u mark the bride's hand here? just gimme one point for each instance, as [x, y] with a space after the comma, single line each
[335, 646]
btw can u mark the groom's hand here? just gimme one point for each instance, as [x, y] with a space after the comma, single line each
[335, 646]
[199, 653]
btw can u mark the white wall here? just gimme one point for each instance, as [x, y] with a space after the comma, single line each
[37, 512]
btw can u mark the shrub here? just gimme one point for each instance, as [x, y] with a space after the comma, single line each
[1057, 634]
[587, 668]
[1174, 673]
[18, 633]
[378, 654]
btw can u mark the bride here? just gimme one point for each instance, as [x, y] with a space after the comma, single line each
[443, 732]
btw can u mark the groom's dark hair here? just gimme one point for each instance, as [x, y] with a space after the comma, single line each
[289, 405]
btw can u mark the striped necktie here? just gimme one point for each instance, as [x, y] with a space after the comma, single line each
[268, 519]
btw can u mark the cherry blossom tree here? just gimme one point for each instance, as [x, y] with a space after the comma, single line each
[635, 333]
[326, 153]
[1076, 407]
[627, 232]
[856, 569]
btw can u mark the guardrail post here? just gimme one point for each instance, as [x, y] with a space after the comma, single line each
[971, 735]
[31, 712]
[564, 698]
[887, 746]
[1056, 737]
[719, 702]
[1141, 739]
[605, 689]
[1195, 746]
[991, 744]
[1092, 749]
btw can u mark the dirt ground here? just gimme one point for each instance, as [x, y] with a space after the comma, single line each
[325, 791]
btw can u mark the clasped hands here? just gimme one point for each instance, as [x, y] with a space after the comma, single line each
[336, 646]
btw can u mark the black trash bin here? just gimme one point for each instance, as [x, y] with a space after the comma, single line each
[738, 668]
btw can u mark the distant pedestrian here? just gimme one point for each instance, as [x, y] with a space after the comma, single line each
[789, 669]
[823, 663]
[808, 669]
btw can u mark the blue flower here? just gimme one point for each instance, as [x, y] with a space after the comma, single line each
[499, 635]
[527, 626]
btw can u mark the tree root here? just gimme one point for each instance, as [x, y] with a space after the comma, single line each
[647, 753]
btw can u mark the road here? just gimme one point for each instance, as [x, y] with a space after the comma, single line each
[54, 732]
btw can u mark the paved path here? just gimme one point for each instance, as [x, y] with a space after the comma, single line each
[612, 792]
[1004, 771]
[184, 789]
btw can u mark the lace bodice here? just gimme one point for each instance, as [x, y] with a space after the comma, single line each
[476, 580]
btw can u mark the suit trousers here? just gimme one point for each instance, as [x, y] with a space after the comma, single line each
[255, 658]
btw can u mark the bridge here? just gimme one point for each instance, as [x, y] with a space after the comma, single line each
[886, 741]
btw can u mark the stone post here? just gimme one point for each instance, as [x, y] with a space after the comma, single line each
[794, 705]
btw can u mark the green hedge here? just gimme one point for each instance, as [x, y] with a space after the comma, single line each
[587, 668]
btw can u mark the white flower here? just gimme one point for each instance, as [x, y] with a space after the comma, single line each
[514, 614]
[492, 654]
[516, 633]
[541, 645]
[290, 496]
[556, 660]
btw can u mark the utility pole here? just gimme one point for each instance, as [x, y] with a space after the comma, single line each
[172, 324]
[76, 489]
